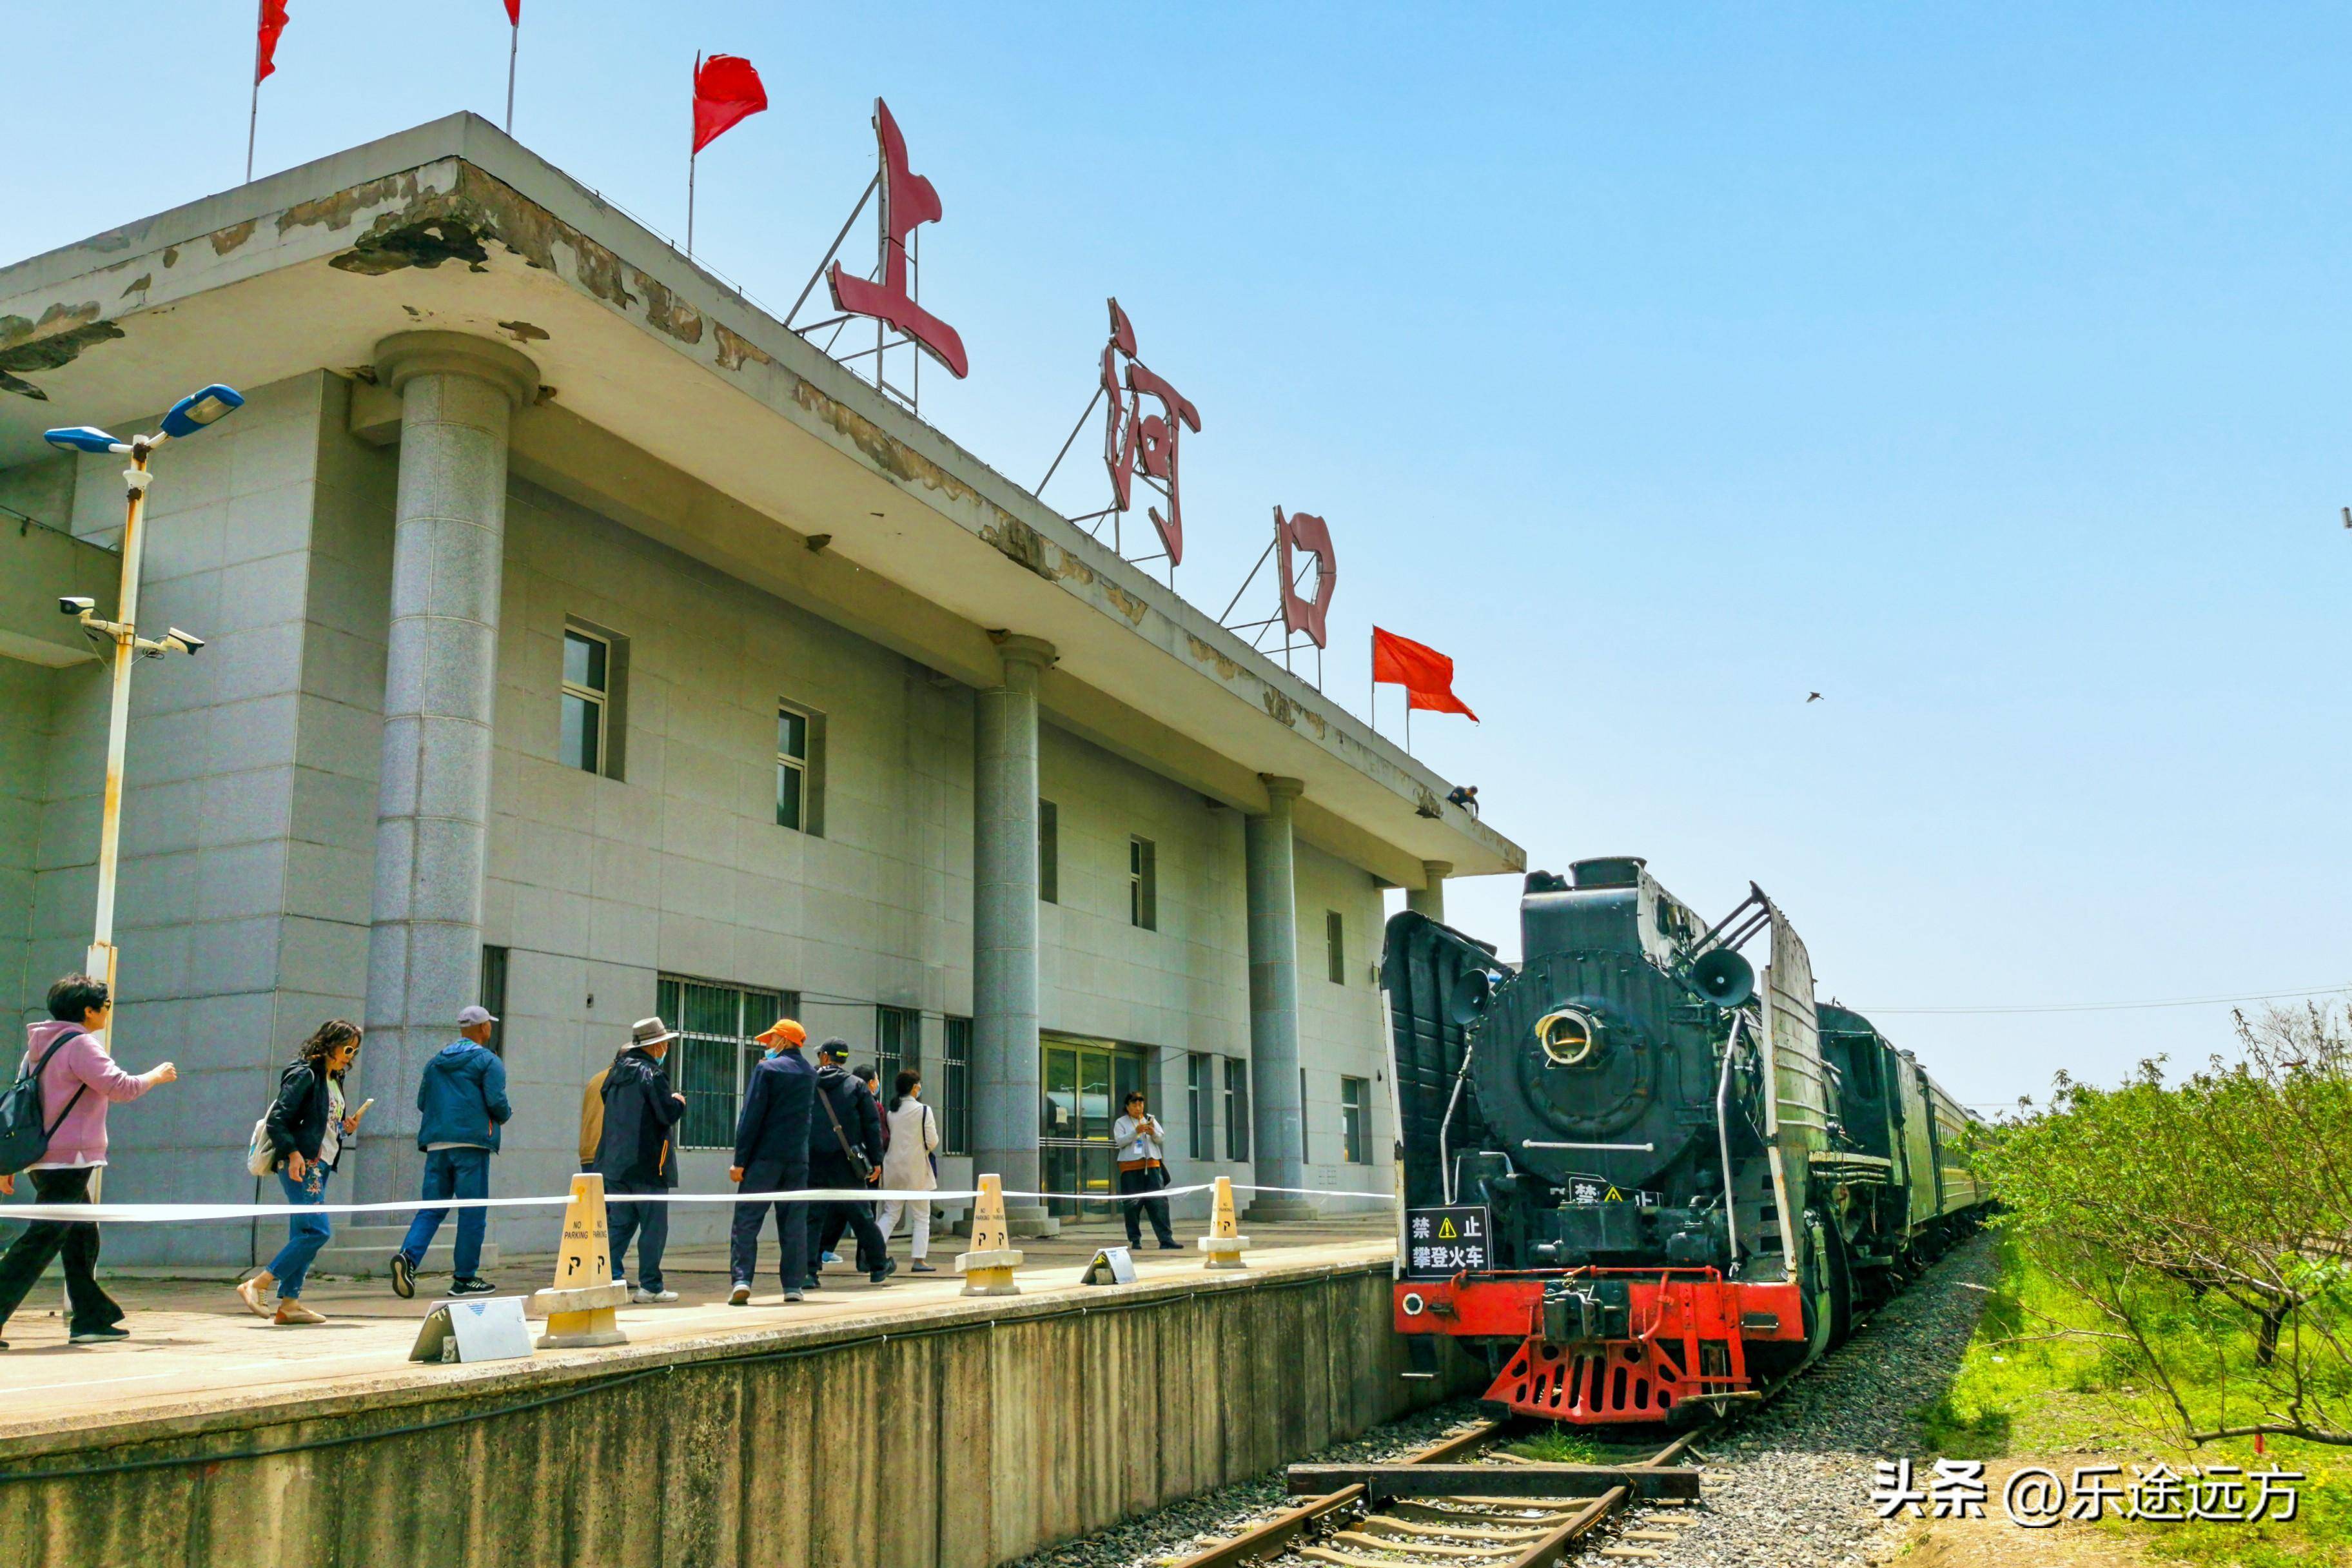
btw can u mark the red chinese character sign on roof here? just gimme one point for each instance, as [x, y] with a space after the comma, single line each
[1132, 437]
[908, 200]
[1305, 533]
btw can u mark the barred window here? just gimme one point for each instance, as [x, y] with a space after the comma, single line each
[952, 1096]
[711, 1061]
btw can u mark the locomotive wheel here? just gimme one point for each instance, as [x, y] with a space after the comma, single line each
[1837, 1260]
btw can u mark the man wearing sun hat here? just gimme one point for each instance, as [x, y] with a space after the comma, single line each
[772, 1144]
[636, 1153]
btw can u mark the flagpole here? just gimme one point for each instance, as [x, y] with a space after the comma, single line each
[514, 47]
[253, 114]
[690, 156]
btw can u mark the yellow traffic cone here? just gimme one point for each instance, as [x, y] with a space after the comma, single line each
[987, 1268]
[579, 1306]
[1224, 1242]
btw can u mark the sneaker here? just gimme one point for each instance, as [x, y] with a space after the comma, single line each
[645, 1298]
[98, 1336]
[291, 1313]
[404, 1276]
[880, 1277]
[920, 1267]
[1172, 1247]
[250, 1291]
[740, 1296]
[474, 1285]
[830, 1257]
[788, 1296]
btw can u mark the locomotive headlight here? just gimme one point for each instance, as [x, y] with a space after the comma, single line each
[1567, 1037]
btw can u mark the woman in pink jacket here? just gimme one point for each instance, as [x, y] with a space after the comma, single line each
[78, 1082]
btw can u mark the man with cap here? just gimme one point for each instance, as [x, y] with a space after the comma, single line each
[637, 1154]
[844, 1143]
[461, 1103]
[772, 1156]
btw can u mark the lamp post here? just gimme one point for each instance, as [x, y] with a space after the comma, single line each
[186, 418]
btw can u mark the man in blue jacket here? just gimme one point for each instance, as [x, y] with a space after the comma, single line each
[772, 1156]
[462, 1101]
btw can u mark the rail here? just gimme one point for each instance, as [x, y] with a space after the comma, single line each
[1533, 1516]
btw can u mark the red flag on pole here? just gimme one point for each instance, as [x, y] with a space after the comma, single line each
[514, 12]
[265, 52]
[726, 91]
[1426, 675]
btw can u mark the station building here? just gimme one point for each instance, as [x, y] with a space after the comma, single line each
[584, 642]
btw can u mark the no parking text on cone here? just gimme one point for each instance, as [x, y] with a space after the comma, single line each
[579, 1306]
[987, 1268]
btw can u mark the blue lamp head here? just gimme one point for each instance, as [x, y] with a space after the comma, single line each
[198, 409]
[84, 439]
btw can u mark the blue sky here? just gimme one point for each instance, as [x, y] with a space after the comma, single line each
[1981, 369]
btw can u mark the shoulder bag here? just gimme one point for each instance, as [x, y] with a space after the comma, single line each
[858, 1163]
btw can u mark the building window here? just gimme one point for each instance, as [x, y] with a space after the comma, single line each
[1355, 1147]
[1335, 947]
[711, 1061]
[493, 995]
[1200, 1093]
[1237, 1122]
[800, 770]
[1049, 853]
[1143, 884]
[1305, 1158]
[952, 1096]
[898, 1043]
[587, 689]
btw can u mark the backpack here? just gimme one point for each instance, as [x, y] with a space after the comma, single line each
[25, 1129]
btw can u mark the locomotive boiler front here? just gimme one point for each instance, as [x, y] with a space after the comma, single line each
[1596, 1071]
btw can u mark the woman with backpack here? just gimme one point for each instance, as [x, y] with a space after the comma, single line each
[913, 1133]
[78, 1080]
[308, 1128]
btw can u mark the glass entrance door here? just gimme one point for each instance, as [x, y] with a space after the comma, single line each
[1085, 1081]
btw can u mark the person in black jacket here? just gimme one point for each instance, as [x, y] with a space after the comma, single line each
[854, 1124]
[636, 1153]
[772, 1156]
[309, 1129]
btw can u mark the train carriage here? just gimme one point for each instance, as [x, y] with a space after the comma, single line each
[1643, 1178]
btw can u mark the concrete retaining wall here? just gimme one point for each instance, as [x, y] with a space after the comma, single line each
[961, 1435]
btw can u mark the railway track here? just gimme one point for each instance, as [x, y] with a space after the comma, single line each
[1531, 1515]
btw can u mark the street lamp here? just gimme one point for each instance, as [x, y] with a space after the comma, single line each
[186, 418]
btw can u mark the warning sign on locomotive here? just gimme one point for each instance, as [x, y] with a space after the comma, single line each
[1443, 1242]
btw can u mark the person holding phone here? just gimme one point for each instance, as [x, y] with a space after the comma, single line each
[78, 1080]
[309, 1129]
[461, 1103]
[1142, 1169]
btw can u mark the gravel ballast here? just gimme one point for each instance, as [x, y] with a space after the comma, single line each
[1790, 1485]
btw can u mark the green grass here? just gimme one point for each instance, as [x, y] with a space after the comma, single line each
[2021, 1392]
[1560, 1445]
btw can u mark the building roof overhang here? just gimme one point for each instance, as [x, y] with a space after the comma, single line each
[679, 407]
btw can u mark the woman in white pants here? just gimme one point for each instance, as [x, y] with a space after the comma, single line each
[907, 1163]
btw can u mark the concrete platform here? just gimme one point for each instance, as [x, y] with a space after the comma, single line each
[195, 1351]
[903, 1425]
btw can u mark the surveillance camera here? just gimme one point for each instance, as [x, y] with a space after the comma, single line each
[189, 641]
[68, 605]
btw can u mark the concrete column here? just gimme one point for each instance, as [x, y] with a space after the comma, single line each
[1278, 1132]
[425, 942]
[1004, 1066]
[1428, 901]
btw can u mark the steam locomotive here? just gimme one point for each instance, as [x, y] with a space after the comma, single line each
[1643, 1183]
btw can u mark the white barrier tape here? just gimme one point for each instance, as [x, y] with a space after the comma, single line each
[153, 1214]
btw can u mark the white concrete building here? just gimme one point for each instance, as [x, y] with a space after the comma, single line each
[585, 642]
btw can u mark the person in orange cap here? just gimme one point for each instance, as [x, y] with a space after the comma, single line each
[772, 1144]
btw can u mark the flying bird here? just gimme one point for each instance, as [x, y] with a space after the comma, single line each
[1812, 696]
